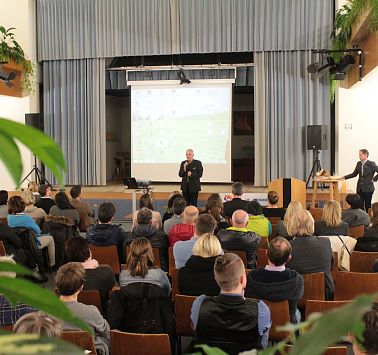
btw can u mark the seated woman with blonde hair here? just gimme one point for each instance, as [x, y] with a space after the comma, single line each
[292, 210]
[38, 214]
[140, 267]
[331, 223]
[197, 276]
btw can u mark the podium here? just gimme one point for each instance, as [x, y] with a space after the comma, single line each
[289, 189]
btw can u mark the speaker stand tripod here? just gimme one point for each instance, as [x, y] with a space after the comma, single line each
[39, 174]
[315, 166]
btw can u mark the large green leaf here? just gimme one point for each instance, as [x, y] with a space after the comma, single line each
[330, 327]
[19, 269]
[33, 344]
[40, 144]
[19, 290]
[10, 155]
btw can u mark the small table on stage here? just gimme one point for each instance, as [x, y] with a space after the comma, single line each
[333, 189]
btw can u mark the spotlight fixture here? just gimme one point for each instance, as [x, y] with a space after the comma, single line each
[182, 77]
[7, 77]
[318, 69]
[340, 69]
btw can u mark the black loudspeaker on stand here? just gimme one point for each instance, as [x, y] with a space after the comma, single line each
[317, 139]
[36, 120]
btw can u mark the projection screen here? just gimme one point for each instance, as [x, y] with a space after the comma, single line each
[168, 118]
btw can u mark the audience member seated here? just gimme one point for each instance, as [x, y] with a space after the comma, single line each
[184, 230]
[257, 223]
[290, 216]
[230, 321]
[197, 276]
[183, 250]
[10, 313]
[369, 242]
[105, 233]
[63, 208]
[140, 267]
[69, 282]
[275, 282]
[214, 206]
[157, 238]
[355, 215]
[238, 237]
[85, 211]
[178, 209]
[145, 201]
[97, 277]
[310, 253]
[237, 203]
[46, 201]
[12, 244]
[368, 343]
[18, 218]
[39, 323]
[3, 204]
[272, 210]
[33, 188]
[331, 223]
[37, 213]
[169, 209]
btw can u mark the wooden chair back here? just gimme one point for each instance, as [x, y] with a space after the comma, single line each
[175, 282]
[316, 213]
[314, 288]
[362, 261]
[155, 251]
[313, 306]
[183, 309]
[241, 254]
[280, 315]
[3, 252]
[357, 231]
[142, 344]
[7, 328]
[80, 338]
[351, 284]
[332, 350]
[264, 243]
[4, 221]
[91, 297]
[262, 258]
[171, 260]
[335, 266]
[107, 256]
[274, 220]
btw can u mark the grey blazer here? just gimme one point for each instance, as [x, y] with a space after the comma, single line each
[365, 179]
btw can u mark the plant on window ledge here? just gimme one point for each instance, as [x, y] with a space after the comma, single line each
[10, 50]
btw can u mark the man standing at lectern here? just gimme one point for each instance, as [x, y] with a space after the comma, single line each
[365, 170]
[190, 171]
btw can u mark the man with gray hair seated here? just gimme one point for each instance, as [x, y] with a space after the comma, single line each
[236, 203]
[146, 229]
[238, 237]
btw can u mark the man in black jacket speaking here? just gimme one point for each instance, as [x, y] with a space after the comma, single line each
[365, 170]
[190, 171]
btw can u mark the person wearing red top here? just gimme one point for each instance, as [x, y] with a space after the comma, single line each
[185, 230]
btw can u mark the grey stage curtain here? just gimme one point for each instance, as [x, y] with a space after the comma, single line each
[254, 25]
[286, 101]
[75, 29]
[74, 111]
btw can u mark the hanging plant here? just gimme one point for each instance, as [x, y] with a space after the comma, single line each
[10, 50]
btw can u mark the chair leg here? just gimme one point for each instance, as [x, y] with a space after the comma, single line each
[179, 345]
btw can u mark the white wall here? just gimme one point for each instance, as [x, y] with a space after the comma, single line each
[357, 125]
[21, 15]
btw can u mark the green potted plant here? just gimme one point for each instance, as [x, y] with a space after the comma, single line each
[11, 51]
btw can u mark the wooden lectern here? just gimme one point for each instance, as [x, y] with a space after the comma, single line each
[289, 189]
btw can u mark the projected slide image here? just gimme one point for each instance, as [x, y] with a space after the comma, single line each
[165, 122]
